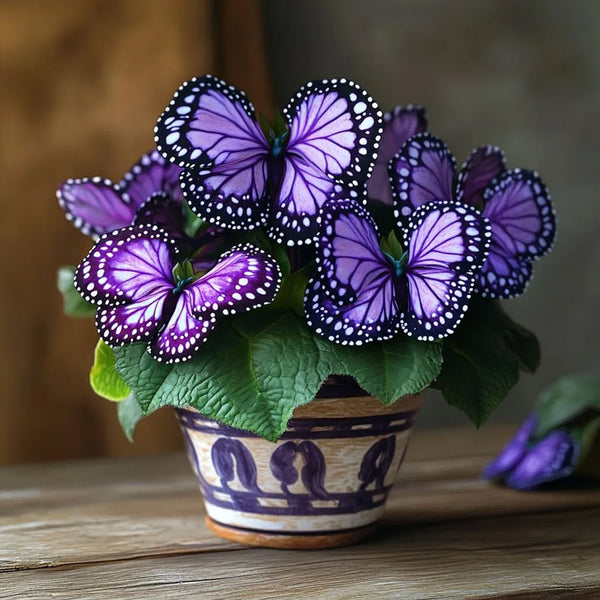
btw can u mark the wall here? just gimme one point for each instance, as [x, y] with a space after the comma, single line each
[521, 75]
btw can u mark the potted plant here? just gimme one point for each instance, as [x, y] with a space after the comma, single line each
[292, 286]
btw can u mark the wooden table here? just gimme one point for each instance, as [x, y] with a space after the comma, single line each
[134, 529]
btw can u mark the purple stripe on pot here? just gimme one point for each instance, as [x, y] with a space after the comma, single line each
[232, 460]
[315, 429]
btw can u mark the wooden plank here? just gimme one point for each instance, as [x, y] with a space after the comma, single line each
[143, 507]
[540, 556]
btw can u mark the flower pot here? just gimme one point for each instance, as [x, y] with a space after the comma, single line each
[324, 483]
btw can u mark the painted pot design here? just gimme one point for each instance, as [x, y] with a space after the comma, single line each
[323, 483]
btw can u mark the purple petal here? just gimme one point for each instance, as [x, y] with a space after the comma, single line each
[422, 172]
[126, 265]
[183, 333]
[352, 299]
[302, 192]
[520, 211]
[163, 210]
[230, 195]
[243, 279]
[484, 164]
[371, 316]
[335, 126]
[95, 206]
[134, 322]
[447, 245]
[552, 458]
[398, 125]
[151, 174]
[513, 452]
[209, 123]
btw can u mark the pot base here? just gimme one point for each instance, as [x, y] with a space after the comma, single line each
[297, 541]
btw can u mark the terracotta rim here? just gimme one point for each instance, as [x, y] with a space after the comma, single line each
[286, 541]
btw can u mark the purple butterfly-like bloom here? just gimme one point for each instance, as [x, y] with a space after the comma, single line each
[235, 178]
[398, 125]
[141, 297]
[360, 294]
[516, 202]
[524, 464]
[148, 192]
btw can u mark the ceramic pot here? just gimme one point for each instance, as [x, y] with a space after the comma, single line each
[324, 483]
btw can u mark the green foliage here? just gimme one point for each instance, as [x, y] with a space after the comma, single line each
[73, 304]
[389, 369]
[256, 368]
[104, 378]
[129, 413]
[482, 360]
[566, 401]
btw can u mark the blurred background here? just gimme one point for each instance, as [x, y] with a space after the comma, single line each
[82, 84]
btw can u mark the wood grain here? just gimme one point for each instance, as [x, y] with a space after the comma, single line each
[82, 86]
[543, 556]
[134, 528]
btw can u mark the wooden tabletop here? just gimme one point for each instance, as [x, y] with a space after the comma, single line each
[134, 529]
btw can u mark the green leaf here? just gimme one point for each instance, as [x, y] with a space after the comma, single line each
[588, 464]
[250, 376]
[291, 293]
[567, 400]
[481, 365]
[73, 304]
[256, 368]
[392, 246]
[104, 378]
[517, 338]
[390, 369]
[129, 413]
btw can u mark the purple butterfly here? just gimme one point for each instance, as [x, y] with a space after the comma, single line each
[398, 125]
[97, 206]
[142, 296]
[524, 464]
[235, 178]
[516, 202]
[360, 294]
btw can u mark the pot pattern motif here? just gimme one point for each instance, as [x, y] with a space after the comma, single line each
[299, 480]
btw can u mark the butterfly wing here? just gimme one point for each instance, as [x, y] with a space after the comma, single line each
[303, 190]
[423, 171]
[484, 164]
[229, 195]
[334, 131]
[95, 205]
[243, 279]
[128, 275]
[351, 299]
[520, 211]
[447, 245]
[163, 210]
[209, 130]
[151, 174]
[335, 126]
[398, 125]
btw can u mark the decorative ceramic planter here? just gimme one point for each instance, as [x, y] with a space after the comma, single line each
[324, 483]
